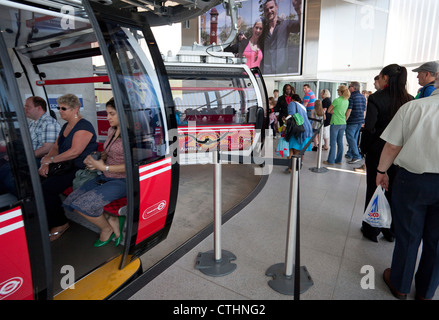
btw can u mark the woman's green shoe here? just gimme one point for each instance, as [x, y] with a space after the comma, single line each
[98, 243]
[121, 223]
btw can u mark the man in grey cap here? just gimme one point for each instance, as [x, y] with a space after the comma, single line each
[426, 77]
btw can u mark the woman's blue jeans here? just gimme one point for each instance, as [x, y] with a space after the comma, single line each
[336, 143]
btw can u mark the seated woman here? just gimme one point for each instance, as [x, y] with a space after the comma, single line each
[76, 140]
[91, 198]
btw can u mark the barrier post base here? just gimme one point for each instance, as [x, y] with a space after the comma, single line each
[208, 265]
[318, 170]
[284, 284]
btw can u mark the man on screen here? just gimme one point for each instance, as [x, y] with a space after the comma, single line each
[277, 49]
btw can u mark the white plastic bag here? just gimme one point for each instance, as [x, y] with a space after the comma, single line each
[378, 213]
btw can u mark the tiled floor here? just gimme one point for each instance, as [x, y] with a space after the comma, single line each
[332, 247]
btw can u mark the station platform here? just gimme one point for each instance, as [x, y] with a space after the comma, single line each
[333, 249]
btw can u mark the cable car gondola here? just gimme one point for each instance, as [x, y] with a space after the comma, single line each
[36, 45]
[46, 51]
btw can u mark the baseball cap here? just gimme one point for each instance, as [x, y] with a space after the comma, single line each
[431, 67]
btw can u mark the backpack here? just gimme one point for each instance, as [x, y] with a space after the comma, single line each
[294, 126]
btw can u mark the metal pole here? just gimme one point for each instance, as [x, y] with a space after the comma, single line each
[319, 168]
[289, 278]
[319, 156]
[216, 262]
[292, 218]
[217, 206]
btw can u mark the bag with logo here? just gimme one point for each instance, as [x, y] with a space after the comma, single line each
[378, 212]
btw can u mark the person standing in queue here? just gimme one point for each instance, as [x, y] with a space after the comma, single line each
[76, 140]
[91, 198]
[411, 143]
[298, 144]
[426, 78]
[338, 111]
[283, 102]
[381, 108]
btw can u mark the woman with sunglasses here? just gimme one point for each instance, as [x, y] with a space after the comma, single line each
[91, 198]
[76, 140]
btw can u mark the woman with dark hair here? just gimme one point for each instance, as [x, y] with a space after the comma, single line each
[381, 107]
[91, 198]
[283, 102]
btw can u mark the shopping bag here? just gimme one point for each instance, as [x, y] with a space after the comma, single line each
[283, 148]
[378, 212]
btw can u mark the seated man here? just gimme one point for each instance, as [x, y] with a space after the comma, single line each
[43, 128]
[44, 131]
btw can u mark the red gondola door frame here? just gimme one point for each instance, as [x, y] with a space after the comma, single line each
[152, 191]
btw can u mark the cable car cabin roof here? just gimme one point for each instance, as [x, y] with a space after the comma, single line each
[158, 13]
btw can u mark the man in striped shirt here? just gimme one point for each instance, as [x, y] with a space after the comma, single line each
[308, 100]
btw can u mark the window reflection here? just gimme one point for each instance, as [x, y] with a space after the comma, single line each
[144, 110]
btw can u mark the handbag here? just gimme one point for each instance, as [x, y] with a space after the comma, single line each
[294, 126]
[377, 213]
[82, 176]
[294, 122]
[283, 148]
[60, 168]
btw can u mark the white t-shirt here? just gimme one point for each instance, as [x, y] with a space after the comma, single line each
[415, 127]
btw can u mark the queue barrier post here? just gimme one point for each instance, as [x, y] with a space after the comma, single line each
[217, 262]
[288, 277]
[319, 168]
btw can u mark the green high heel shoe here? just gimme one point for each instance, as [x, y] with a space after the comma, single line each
[121, 223]
[98, 243]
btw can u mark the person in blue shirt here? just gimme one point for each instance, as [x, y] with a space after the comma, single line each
[426, 78]
[355, 115]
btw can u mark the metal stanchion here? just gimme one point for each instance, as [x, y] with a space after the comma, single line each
[319, 168]
[217, 262]
[288, 278]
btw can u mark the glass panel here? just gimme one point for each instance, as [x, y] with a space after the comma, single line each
[12, 155]
[141, 84]
[211, 95]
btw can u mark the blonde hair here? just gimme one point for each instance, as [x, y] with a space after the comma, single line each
[344, 92]
[326, 93]
[318, 108]
[69, 99]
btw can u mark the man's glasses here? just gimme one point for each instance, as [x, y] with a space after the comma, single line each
[62, 108]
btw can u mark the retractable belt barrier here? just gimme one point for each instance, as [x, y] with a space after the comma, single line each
[289, 277]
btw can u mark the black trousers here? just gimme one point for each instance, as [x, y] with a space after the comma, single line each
[52, 188]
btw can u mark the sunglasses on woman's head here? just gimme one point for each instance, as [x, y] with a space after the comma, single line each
[62, 108]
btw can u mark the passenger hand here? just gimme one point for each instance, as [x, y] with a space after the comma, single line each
[93, 164]
[44, 169]
[383, 181]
